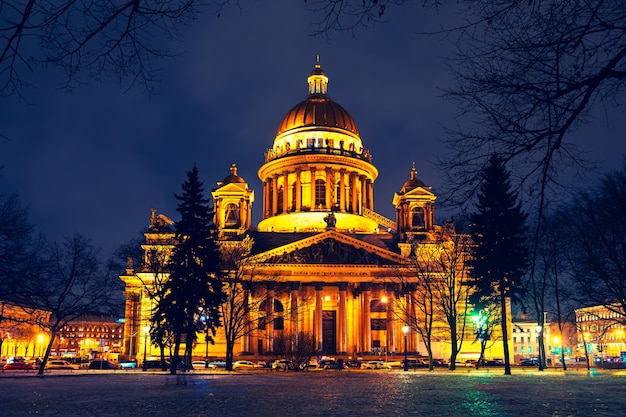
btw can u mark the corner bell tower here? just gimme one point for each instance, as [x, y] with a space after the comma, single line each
[233, 204]
[415, 209]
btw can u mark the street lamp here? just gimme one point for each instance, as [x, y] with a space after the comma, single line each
[405, 330]
[146, 330]
[203, 319]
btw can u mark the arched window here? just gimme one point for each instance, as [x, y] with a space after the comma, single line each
[293, 198]
[417, 218]
[279, 321]
[232, 216]
[320, 193]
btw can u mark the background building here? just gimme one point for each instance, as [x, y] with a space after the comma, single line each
[602, 329]
[18, 337]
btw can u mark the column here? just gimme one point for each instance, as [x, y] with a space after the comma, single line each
[391, 330]
[218, 217]
[293, 308]
[329, 186]
[274, 187]
[363, 193]
[132, 327]
[370, 194]
[410, 312]
[317, 320]
[286, 193]
[298, 190]
[367, 319]
[353, 207]
[266, 201]
[343, 318]
[269, 323]
[247, 323]
[242, 213]
[342, 189]
[312, 188]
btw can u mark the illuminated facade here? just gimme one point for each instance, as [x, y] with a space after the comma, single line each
[328, 264]
[602, 330]
[18, 337]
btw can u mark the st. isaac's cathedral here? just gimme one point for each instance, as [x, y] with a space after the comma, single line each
[323, 261]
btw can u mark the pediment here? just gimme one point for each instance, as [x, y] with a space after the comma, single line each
[236, 187]
[416, 194]
[331, 248]
[421, 191]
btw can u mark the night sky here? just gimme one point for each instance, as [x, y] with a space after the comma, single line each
[96, 161]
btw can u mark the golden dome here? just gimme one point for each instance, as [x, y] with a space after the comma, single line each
[317, 110]
[414, 182]
[233, 177]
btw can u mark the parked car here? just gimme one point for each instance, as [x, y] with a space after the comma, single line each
[246, 365]
[470, 363]
[415, 363]
[282, 365]
[530, 362]
[199, 364]
[440, 362]
[494, 362]
[217, 364]
[101, 364]
[18, 366]
[331, 364]
[128, 364]
[375, 365]
[353, 363]
[60, 364]
[156, 364]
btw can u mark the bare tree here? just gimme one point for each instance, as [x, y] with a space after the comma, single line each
[70, 283]
[595, 229]
[296, 348]
[239, 284]
[91, 39]
[451, 289]
[436, 291]
[17, 247]
[419, 310]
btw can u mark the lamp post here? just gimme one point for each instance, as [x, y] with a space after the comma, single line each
[405, 330]
[203, 319]
[146, 330]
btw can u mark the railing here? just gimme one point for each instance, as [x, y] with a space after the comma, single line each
[365, 155]
[379, 218]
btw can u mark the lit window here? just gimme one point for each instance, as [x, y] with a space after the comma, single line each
[232, 215]
[320, 193]
[417, 218]
[279, 209]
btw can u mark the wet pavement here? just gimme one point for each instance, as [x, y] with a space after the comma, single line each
[322, 393]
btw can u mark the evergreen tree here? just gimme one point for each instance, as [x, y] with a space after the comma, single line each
[499, 254]
[194, 289]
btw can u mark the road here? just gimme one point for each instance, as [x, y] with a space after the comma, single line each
[323, 393]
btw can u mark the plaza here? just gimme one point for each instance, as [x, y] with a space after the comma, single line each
[324, 393]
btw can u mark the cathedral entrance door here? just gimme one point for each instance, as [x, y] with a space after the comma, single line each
[329, 332]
